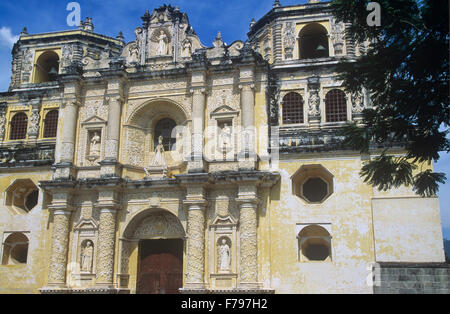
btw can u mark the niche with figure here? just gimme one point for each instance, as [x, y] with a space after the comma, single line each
[224, 255]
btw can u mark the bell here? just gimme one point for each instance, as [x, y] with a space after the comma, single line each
[320, 48]
[53, 72]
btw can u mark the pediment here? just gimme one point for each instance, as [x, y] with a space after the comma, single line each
[93, 120]
[224, 109]
[86, 224]
[228, 220]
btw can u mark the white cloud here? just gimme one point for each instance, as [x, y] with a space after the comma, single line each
[7, 39]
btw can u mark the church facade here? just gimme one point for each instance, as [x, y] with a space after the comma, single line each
[166, 165]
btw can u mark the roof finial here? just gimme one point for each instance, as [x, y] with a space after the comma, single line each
[252, 23]
[24, 32]
[277, 4]
[120, 36]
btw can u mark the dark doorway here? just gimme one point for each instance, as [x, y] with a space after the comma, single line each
[160, 266]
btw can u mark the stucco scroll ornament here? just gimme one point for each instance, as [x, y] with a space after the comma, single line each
[338, 36]
[224, 258]
[357, 102]
[289, 40]
[2, 121]
[34, 122]
[87, 256]
[314, 103]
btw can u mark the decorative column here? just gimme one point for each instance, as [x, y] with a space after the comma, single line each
[248, 237]
[198, 121]
[65, 147]
[195, 264]
[247, 156]
[110, 166]
[3, 107]
[62, 211]
[108, 206]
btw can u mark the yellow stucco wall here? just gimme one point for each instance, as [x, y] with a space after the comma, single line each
[26, 278]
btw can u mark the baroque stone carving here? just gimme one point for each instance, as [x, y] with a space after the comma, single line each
[60, 242]
[2, 120]
[106, 244]
[314, 103]
[289, 40]
[337, 36]
[159, 226]
[357, 102]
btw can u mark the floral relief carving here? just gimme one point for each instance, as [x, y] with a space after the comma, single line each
[60, 242]
[106, 244]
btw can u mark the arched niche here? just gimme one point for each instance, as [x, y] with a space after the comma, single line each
[140, 132]
[313, 42]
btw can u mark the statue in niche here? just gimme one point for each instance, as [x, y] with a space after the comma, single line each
[187, 49]
[225, 137]
[224, 257]
[95, 145]
[87, 256]
[159, 160]
[162, 45]
[134, 53]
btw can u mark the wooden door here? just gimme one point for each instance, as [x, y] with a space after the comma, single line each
[160, 267]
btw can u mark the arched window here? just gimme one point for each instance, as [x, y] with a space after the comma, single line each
[46, 67]
[292, 109]
[335, 106]
[165, 129]
[313, 42]
[15, 249]
[19, 126]
[51, 124]
[314, 244]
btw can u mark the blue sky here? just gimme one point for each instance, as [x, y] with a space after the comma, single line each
[207, 17]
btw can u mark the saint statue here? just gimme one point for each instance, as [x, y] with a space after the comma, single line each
[95, 145]
[87, 256]
[159, 160]
[162, 46]
[187, 46]
[224, 256]
[225, 137]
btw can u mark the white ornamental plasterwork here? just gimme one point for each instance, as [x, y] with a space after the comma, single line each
[94, 108]
[289, 40]
[27, 65]
[337, 36]
[33, 127]
[357, 102]
[135, 147]
[221, 97]
[160, 226]
[2, 121]
[248, 244]
[314, 103]
[67, 55]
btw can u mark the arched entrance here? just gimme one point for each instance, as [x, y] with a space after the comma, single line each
[160, 238]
